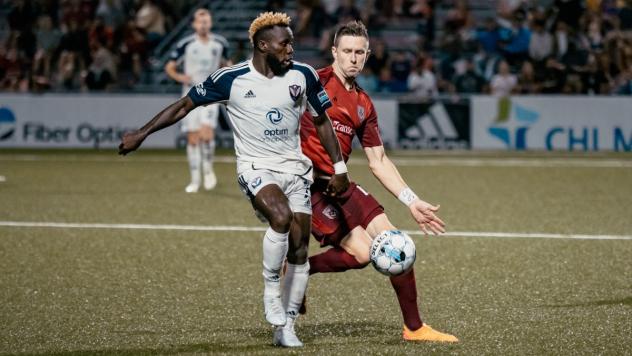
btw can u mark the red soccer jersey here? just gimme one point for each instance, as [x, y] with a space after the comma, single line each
[352, 113]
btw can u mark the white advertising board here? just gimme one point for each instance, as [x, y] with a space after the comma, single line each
[560, 123]
[76, 120]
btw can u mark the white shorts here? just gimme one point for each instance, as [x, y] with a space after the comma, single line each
[295, 187]
[201, 116]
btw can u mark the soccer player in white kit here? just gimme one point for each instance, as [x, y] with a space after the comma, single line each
[265, 98]
[200, 54]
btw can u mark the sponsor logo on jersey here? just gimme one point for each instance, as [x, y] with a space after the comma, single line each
[323, 97]
[330, 212]
[340, 127]
[295, 91]
[250, 94]
[199, 88]
[360, 113]
[274, 116]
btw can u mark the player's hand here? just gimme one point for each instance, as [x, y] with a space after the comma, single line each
[424, 215]
[337, 184]
[130, 142]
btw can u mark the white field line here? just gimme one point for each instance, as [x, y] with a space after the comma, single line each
[227, 228]
[400, 161]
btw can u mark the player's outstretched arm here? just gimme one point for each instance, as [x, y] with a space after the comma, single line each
[386, 172]
[167, 117]
[340, 180]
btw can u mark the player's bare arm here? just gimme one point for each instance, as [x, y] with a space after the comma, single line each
[340, 181]
[172, 72]
[385, 171]
[167, 117]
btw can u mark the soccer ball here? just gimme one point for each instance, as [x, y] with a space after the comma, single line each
[392, 252]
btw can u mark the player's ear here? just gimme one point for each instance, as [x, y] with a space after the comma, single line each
[334, 52]
[368, 53]
[262, 45]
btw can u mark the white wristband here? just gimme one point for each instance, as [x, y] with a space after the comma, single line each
[340, 167]
[407, 196]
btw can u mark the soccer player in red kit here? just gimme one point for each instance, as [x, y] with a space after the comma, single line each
[350, 221]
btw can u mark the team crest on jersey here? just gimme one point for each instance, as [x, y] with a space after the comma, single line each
[330, 212]
[360, 113]
[200, 89]
[295, 91]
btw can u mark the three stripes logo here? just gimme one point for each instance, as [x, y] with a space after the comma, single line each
[433, 129]
[250, 95]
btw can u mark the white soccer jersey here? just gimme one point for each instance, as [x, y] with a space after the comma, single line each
[265, 113]
[199, 58]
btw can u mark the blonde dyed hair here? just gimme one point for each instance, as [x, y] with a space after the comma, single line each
[267, 20]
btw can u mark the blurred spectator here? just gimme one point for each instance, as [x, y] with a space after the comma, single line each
[379, 56]
[151, 21]
[422, 82]
[561, 39]
[527, 82]
[111, 11]
[515, 39]
[101, 72]
[553, 76]
[400, 69]
[489, 36]
[503, 83]
[367, 80]
[469, 82]
[541, 42]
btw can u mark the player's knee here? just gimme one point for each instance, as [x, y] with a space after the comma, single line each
[281, 220]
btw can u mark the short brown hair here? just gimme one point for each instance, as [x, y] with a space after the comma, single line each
[351, 28]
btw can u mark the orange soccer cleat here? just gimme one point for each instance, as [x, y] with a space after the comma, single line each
[426, 333]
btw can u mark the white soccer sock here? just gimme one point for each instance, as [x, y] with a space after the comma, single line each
[208, 152]
[294, 287]
[275, 246]
[193, 156]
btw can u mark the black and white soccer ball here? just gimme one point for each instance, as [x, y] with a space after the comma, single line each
[392, 252]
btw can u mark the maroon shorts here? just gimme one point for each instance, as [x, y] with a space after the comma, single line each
[334, 218]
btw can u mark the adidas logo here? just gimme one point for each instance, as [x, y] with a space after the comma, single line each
[250, 94]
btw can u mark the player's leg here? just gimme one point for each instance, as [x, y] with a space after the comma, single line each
[297, 273]
[405, 288]
[190, 125]
[295, 280]
[269, 200]
[208, 123]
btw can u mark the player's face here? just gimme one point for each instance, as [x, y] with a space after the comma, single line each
[351, 54]
[280, 49]
[202, 23]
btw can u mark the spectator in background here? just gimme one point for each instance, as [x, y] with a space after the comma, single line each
[400, 70]
[488, 36]
[469, 82]
[379, 57]
[503, 83]
[553, 76]
[527, 82]
[515, 40]
[48, 39]
[422, 82]
[367, 80]
[151, 21]
[111, 11]
[101, 72]
[561, 39]
[540, 43]
[132, 52]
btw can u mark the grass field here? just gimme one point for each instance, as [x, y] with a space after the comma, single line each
[69, 290]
